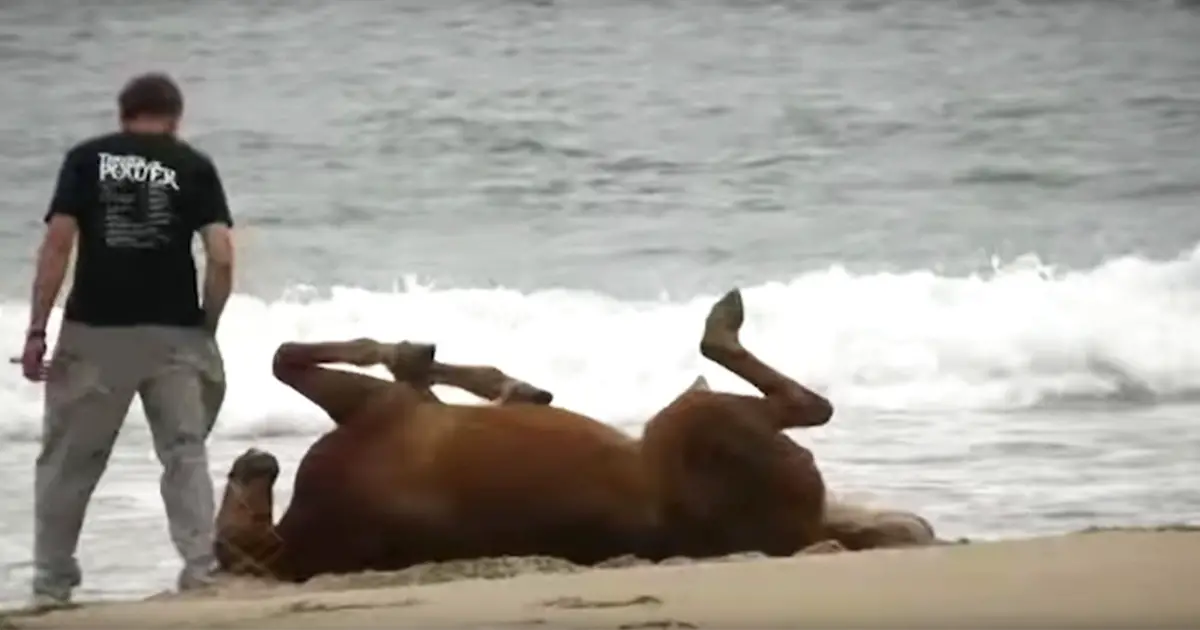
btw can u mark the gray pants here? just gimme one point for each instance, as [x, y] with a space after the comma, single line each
[94, 374]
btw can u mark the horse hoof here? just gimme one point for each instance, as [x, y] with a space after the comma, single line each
[254, 464]
[411, 360]
[722, 326]
[515, 391]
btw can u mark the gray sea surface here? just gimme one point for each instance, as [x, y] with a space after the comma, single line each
[974, 224]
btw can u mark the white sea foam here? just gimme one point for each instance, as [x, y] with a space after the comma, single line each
[1024, 335]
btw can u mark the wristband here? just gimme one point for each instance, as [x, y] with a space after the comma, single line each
[35, 333]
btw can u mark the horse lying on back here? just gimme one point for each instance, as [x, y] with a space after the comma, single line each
[405, 479]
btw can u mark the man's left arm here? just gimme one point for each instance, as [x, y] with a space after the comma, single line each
[54, 254]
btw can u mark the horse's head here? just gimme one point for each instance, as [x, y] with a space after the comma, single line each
[860, 527]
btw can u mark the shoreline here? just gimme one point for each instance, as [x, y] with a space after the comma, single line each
[1110, 577]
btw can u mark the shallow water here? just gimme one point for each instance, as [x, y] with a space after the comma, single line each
[971, 224]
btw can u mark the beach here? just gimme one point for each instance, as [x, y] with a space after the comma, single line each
[1134, 579]
[971, 225]
[1114, 579]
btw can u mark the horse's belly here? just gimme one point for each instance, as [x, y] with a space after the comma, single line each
[530, 477]
[430, 492]
[519, 466]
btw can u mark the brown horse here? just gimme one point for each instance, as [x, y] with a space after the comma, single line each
[405, 479]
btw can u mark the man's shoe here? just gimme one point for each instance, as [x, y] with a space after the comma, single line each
[45, 602]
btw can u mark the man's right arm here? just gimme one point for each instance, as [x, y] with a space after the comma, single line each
[62, 226]
[216, 232]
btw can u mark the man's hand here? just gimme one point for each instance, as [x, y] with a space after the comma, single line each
[33, 358]
[210, 323]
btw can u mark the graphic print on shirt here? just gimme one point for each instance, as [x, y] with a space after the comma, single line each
[136, 195]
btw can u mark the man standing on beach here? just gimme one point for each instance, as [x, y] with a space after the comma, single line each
[133, 325]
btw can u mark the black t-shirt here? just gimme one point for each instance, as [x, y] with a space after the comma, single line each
[138, 200]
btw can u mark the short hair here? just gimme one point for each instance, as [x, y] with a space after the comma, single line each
[150, 94]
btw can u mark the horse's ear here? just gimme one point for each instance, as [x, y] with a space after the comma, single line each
[699, 385]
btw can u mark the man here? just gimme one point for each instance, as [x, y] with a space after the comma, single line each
[133, 324]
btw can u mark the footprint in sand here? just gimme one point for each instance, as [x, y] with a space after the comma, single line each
[577, 603]
[304, 606]
[657, 623]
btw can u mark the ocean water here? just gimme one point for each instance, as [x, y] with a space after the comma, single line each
[974, 225]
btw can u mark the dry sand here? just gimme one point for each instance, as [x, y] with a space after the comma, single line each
[1131, 578]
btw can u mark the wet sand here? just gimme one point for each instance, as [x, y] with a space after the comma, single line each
[1120, 578]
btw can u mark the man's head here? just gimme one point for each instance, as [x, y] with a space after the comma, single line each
[150, 103]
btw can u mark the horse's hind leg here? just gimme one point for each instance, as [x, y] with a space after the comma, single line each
[795, 405]
[488, 382]
[730, 480]
[339, 393]
[778, 479]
